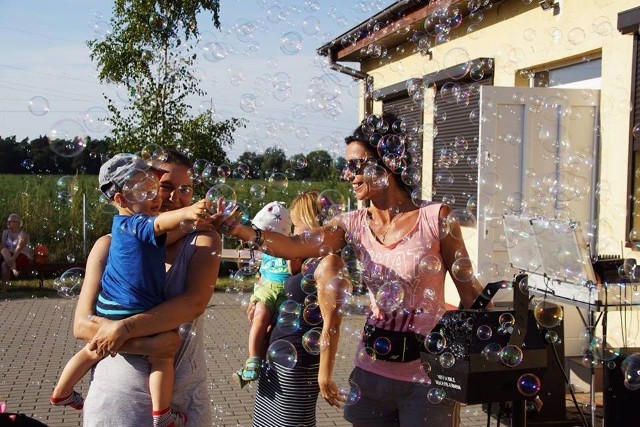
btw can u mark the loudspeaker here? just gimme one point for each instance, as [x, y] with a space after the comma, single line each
[620, 403]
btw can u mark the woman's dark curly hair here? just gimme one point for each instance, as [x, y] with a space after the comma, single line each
[372, 130]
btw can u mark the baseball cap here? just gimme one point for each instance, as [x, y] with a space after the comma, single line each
[115, 172]
[274, 216]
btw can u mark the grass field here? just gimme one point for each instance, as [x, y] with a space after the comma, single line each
[52, 207]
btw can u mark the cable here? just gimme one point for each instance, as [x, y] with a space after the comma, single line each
[566, 379]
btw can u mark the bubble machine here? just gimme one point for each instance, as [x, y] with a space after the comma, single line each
[493, 349]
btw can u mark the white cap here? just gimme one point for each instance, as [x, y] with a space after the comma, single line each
[274, 216]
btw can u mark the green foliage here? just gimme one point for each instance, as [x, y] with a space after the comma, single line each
[150, 54]
[52, 212]
[25, 157]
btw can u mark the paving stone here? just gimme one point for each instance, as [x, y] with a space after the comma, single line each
[36, 341]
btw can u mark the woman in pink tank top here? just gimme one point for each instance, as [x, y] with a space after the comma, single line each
[403, 247]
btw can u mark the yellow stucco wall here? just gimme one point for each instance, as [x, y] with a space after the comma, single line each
[525, 37]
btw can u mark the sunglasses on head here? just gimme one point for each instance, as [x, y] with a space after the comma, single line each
[356, 166]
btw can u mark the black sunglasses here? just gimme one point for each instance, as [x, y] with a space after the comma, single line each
[356, 166]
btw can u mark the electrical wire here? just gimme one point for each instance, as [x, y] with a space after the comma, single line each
[566, 379]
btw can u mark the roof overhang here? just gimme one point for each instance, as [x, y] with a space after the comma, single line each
[391, 27]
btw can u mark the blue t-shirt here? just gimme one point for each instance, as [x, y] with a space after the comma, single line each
[274, 269]
[134, 278]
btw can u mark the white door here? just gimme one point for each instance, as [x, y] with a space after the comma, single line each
[537, 156]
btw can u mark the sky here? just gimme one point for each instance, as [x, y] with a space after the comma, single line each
[263, 47]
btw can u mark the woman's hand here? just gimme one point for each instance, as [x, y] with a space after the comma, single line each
[109, 337]
[330, 392]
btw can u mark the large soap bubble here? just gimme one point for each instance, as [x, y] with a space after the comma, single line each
[67, 138]
[282, 353]
[548, 314]
[69, 283]
[223, 194]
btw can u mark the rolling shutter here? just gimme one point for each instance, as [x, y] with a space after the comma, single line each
[455, 146]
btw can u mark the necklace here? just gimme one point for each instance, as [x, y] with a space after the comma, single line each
[390, 226]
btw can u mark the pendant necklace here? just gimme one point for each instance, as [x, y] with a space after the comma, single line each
[393, 220]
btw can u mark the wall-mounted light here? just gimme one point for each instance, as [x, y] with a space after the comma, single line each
[550, 4]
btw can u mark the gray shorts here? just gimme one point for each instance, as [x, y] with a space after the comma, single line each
[386, 402]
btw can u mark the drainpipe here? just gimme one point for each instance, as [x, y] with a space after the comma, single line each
[356, 74]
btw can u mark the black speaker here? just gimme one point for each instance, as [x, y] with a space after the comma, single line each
[620, 403]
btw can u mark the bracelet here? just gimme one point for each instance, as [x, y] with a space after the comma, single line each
[258, 239]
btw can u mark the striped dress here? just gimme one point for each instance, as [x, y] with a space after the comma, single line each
[287, 393]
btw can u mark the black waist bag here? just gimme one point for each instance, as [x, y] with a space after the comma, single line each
[392, 346]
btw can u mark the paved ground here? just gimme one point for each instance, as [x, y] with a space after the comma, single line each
[36, 342]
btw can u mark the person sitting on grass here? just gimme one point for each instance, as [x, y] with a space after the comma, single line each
[134, 277]
[268, 292]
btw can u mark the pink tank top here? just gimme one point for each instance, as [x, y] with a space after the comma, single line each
[405, 279]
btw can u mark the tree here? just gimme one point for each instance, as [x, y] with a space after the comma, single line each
[273, 160]
[253, 161]
[320, 166]
[150, 54]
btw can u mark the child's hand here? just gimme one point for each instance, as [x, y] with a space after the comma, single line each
[199, 211]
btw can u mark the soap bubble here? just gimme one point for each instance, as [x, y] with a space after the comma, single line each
[376, 176]
[548, 314]
[491, 352]
[366, 356]
[257, 191]
[382, 345]
[331, 203]
[158, 22]
[390, 296]
[462, 269]
[39, 105]
[153, 154]
[511, 355]
[311, 341]
[69, 283]
[27, 164]
[630, 367]
[187, 331]
[447, 359]
[278, 181]
[552, 337]
[95, 119]
[140, 185]
[484, 332]
[435, 342]
[312, 314]
[291, 43]
[430, 264]
[282, 353]
[224, 194]
[528, 385]
[436, 395]
[350, 394]
[67, 138]
[67, 186]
